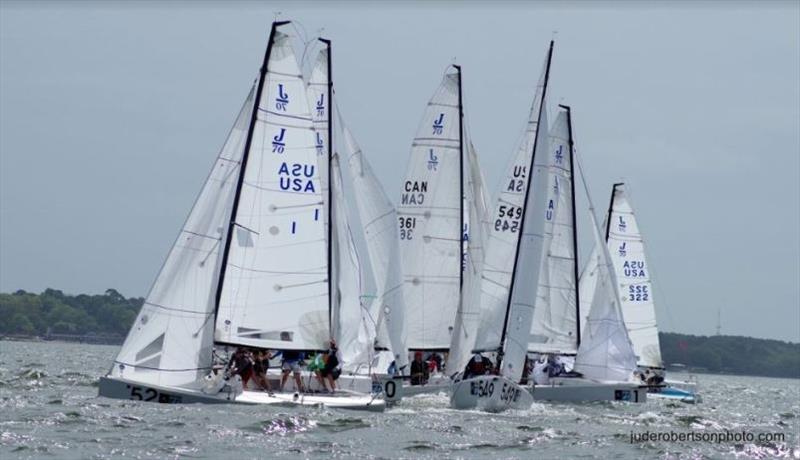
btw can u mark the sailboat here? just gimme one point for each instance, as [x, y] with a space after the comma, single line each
[605, 360]
[431, 218]
[626, 246]
[253, 264]
[515, 245]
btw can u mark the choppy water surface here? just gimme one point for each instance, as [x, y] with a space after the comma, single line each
[49, 408]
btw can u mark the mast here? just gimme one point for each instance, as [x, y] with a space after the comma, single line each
[330, 187]
[525, 201]
[461, 189]
[611, 207]
[243, 166]
[574, 223]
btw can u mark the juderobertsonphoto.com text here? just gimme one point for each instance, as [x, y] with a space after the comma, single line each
[718, 437]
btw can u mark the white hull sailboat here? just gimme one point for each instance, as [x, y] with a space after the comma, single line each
[490, 393]
[605, 361]
[253, 265]
[501, 323]
[625, 243]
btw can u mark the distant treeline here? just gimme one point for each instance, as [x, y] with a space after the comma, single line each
[54, 313]
[730, 354]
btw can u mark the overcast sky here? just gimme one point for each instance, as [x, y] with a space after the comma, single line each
[111, 116]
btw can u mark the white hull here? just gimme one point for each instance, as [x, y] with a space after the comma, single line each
[582, 390]
[117, 388]
[490, 393]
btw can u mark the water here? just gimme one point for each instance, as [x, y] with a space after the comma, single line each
[49, 409]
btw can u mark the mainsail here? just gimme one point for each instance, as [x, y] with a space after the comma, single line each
[274, 288]
[555, 325]
[626, 246]
[430, 219]
[170, 342]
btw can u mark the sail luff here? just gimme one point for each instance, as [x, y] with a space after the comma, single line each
[330, 182]
[574, 228]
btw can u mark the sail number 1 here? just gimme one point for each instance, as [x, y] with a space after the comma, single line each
[508, 218]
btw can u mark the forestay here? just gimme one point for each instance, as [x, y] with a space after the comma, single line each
[379, 223]
[626, 246]
[182, 299]
[275, 287]
[554, 327]
[430, 222]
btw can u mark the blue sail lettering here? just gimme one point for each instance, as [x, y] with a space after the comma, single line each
[282, 100]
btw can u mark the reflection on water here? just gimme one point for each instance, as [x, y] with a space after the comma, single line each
[49, 408]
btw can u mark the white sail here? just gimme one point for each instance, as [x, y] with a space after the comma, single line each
[379, 222]
[355, 331]
[503, 236]
[468, 316]
[626, 246]
[555, 321]
[587, 286]
[528, 265]
[275, 286]
[170, 342]
[606, 352]
[430, 222]
[318, 100]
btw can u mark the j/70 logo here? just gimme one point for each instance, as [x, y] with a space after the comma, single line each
[622, 225]
[321, 106]
[433, 161]
[320, 144]
[438, 124]
[278, 144]
[282, 99]
[559, 155]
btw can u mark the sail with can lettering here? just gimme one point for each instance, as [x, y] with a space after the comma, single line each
[275, 285]
[626, 246]
[555, 325]
[429, 222]
[171, 339]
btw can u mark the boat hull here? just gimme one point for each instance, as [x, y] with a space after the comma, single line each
[490, 393]
[117, 388]
[676, 394]
[583, 390]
